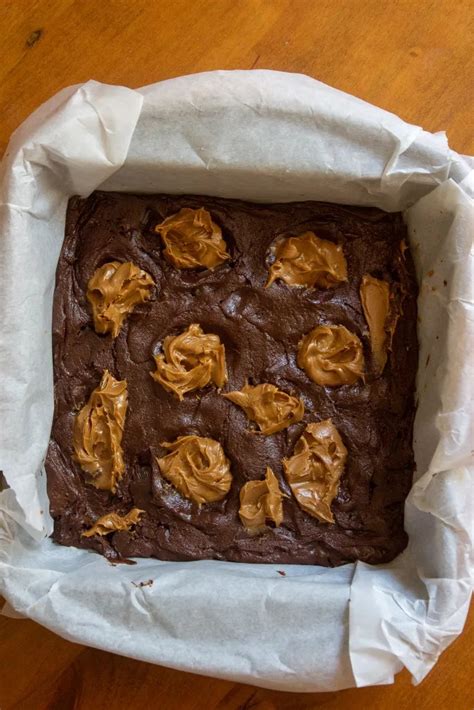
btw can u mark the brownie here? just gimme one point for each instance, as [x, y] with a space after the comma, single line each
[260, 328]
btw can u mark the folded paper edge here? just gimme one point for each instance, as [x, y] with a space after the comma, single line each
[434, 628]
[24, 154]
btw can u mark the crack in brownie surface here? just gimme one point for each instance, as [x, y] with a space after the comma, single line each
[261, 329]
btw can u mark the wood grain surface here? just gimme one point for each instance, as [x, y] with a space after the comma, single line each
[414, 58]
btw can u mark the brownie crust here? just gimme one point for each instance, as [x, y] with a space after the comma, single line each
[260, 329]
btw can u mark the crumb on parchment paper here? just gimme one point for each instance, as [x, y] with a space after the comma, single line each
[147, 583]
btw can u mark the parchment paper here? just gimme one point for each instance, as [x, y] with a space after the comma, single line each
[261, 136]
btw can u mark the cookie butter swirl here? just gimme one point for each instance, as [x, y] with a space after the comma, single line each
[98, 430]
[192, 240]
[261, 501]
[375, 299]
[197, 467]
[113, 292]
[113, 522]
[308, 260]
[190, 361]
[331, 356]
[271, 409]
[314, 470]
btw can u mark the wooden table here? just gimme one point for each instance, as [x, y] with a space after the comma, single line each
[412, 57]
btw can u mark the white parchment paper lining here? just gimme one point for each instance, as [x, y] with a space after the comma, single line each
[261, 136]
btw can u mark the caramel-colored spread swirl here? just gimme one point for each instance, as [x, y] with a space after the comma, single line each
[261, 501]
[113, 522]
[375, 299]
[315, 469]
[190, 361]
[98, 430]
[197, 467]
[113, 292]
[308, 260]
[271, 409]
[331, 356]
[192, 240]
